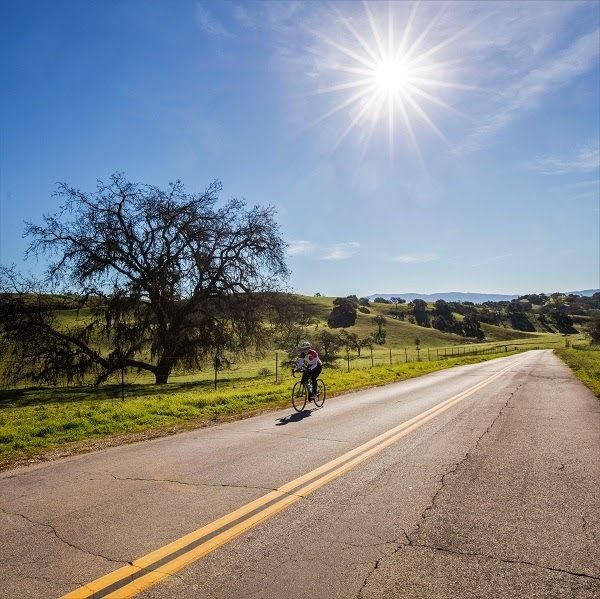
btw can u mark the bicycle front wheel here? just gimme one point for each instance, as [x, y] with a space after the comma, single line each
[299, 396]
[320, 397]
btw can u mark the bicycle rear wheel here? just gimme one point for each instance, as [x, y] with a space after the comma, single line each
[320, 397]
[299, 396]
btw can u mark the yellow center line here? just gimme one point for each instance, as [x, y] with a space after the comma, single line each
[130, 580]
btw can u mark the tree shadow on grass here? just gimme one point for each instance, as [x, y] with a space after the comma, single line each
[31, 396]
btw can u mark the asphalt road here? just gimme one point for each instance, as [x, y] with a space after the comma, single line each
[479, 481]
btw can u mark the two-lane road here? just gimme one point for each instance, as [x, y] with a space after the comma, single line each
[478, 481]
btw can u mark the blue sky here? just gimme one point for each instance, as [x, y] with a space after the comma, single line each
[488, 180]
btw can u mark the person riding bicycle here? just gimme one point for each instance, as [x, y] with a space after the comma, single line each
[310, 365]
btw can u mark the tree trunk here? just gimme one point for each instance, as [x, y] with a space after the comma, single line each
[162, 378]
[163, 370]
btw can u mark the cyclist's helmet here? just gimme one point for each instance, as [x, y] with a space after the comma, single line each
[304, 345]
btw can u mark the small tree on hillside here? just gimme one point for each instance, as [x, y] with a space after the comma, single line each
[471, 328]
[421, 315]
[593, 327]
[327, 344]
[350, 341]
[343, 314]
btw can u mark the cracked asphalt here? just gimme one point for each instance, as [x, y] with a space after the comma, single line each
[495, 497]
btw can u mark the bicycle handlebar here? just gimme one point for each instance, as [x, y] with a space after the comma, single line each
[294, 371]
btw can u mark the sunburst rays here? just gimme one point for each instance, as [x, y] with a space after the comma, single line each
[390, 75]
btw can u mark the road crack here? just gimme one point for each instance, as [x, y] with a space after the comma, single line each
[399, 545]
[409, 536]
[458, 464]
[208, 485]
[59, 537]
[503, 560]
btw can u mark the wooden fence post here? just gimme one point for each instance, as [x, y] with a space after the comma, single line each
[122, 384]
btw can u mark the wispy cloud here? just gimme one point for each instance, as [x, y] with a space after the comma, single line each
[208, 23]
[341, 251]
[526, 92]
[416, 258]
[584, 160]
[242, 16]
[300, 247]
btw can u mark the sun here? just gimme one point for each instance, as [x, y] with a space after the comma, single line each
[387, 76]
[391, 77]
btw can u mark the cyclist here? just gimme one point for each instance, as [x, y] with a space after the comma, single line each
[310, 365]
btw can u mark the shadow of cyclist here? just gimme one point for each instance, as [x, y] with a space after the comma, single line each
[295, 417]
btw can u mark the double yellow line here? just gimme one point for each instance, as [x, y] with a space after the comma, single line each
[146, 571]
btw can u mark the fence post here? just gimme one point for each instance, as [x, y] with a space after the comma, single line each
[371, 357]
[348, 358]
[428, 356]
[405, 355]
[123, 384]
[276, 367]
[390, 356]
[437, 353]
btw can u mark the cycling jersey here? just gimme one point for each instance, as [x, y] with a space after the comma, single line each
[309, 357]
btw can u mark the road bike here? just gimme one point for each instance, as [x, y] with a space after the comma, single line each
[302, 391]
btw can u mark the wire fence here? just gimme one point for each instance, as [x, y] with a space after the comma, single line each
[276, 367]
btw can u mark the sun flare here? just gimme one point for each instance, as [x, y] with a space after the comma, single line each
[392, 77]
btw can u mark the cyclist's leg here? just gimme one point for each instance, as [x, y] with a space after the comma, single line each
[305, 377]
[314, 374]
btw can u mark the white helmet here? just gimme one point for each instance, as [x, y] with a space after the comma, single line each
[304, 345]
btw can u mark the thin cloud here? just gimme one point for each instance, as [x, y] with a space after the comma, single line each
[584, 160]
[341, 251]
[300, 247]
[241, 15]
[416, 258]
[208, 23]
[527, 92]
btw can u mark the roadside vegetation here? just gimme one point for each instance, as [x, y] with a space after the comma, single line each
[36, 420]
[584, 361]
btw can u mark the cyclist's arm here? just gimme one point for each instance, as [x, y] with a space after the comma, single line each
[300, 364]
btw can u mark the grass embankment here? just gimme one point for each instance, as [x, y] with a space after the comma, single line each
[585, 363]
[36, 420]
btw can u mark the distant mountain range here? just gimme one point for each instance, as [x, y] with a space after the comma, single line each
[458, 296]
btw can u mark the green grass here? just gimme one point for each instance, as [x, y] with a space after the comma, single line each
[36, 420]
[584, 361]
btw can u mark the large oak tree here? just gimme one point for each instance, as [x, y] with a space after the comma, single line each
[162, 278]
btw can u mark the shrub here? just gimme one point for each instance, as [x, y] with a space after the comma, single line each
[343, 314]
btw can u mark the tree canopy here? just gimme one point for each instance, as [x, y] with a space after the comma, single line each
[165, 278]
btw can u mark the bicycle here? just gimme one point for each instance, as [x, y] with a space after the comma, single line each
[301, 393]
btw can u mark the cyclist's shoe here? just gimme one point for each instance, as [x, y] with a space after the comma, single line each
[312, 398]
